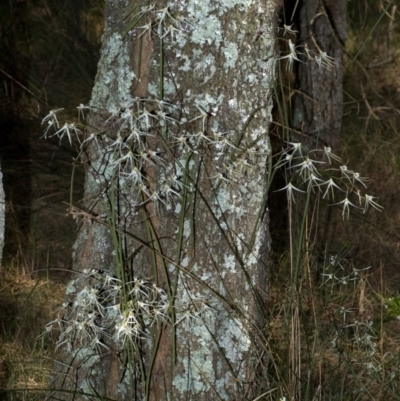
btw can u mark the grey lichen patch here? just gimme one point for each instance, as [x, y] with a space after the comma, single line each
[231, 53]
[210, 29]
[99, 175]
[112, 89]
[124, 388]
[215, 331]
[71, 289]
[204, 70]
[223, 200]
[198, 364]
[237, 342]
[229, 265]
[87, 356]
[153, 89]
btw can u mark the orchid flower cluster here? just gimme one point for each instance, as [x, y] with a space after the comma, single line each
[364, 336]
[161, 22]
[309, 174]
[321, 58]
[360, 335]
[184, 129]
[340, 271]
[129, 155]
[105, 309]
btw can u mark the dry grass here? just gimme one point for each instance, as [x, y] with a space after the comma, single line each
[346, 344]
[26, 305]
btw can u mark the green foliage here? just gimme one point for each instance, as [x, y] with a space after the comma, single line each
[392, 305]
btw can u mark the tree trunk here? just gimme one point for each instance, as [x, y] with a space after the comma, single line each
[318, 108]
[172, 249]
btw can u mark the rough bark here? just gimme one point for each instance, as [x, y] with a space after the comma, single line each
[318, 109]
[194, 229]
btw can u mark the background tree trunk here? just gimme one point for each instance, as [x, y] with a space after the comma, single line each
[318, 107]
[175, 206]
